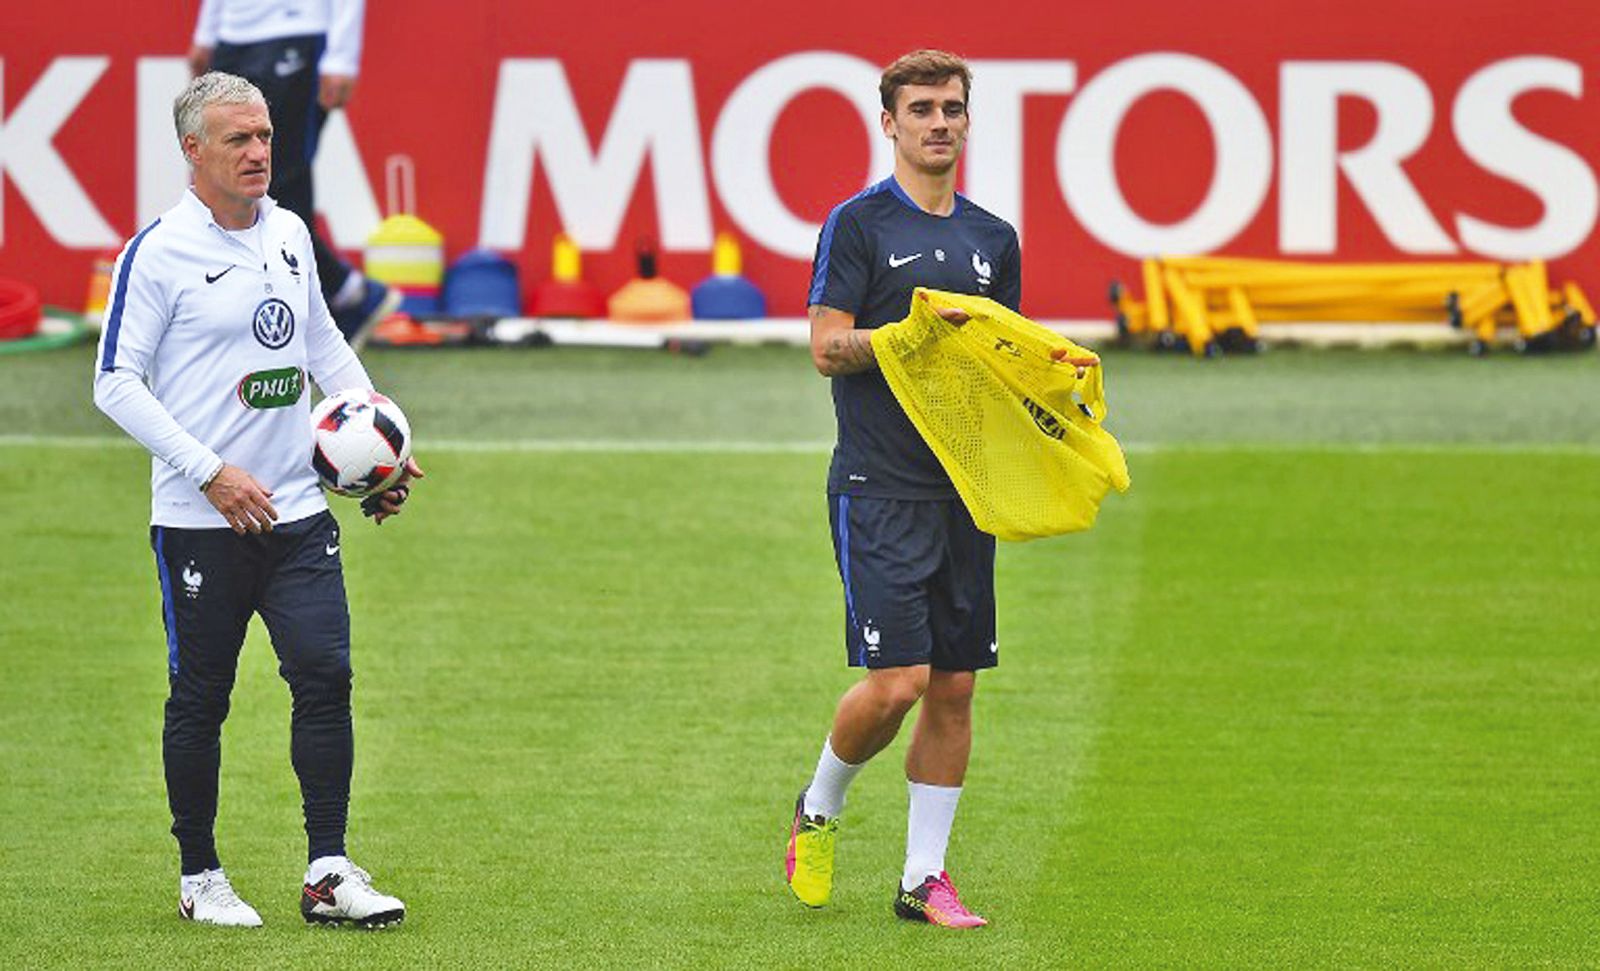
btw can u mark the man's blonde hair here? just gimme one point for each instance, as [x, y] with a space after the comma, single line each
[922, 67]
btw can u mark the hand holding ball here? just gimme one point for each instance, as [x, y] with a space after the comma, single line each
[361, 442]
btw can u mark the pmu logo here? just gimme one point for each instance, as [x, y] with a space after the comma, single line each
[274, 323]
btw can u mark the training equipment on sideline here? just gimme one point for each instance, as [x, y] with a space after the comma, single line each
[1215, 304]
[360, 442]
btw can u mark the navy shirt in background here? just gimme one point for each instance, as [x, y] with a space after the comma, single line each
[874, 251]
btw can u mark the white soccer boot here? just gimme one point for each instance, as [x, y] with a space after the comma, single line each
[208, 898]
[345, 896]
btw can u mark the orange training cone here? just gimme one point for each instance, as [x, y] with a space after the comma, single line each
[94, 305]
[647, 298]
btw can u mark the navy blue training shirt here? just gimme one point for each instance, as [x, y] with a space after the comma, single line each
[874, 250]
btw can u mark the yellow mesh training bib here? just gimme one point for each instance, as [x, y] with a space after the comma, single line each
[1002, 416]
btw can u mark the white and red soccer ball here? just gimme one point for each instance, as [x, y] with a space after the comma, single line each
[360, 442]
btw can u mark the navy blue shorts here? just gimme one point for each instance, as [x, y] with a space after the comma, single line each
[918, 583]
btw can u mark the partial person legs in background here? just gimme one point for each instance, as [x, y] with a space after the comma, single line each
[286, 72]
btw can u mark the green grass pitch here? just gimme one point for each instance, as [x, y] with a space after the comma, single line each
[1322, 691]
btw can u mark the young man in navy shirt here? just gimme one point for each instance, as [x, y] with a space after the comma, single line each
[918, 576]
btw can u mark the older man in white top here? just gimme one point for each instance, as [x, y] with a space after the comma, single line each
[214, 325]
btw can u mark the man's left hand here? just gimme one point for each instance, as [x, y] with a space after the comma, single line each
[1062, 356]
[334, 91]
[382, 505]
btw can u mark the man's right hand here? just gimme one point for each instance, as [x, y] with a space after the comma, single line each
[199, 60]
[245, 503]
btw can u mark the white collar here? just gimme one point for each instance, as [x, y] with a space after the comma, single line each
[192, 204]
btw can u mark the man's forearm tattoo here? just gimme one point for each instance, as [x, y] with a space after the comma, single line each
[851, 350]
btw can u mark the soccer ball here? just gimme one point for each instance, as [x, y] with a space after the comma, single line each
[360, 441]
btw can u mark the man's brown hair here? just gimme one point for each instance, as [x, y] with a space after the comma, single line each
[922, 67]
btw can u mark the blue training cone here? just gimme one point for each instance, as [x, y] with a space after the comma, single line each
[725, 294]
[482, 283]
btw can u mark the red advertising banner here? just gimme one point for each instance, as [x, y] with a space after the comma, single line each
[1359, 129]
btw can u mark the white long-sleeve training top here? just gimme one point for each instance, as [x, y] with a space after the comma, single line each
[206, 345]
[252, 21]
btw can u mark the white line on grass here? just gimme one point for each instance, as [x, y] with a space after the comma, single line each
[716, 447]
[623, 445]
[486, 445]
[1369, 448]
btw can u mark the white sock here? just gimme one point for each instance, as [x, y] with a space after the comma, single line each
[324, 865]
[350, 292]
[933, 810]
[825, 795]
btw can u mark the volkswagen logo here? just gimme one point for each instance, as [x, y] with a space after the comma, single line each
[274, 323]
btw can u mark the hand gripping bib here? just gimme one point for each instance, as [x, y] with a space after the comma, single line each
[1018, 432]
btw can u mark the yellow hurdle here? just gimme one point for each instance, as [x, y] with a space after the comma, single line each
[1577, 301]
[1208, 302]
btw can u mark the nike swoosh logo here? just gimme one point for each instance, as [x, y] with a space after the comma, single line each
[214, 279]
[332, 548]
[285, 68]
[186, 908]
[902, 261]
[321, 895]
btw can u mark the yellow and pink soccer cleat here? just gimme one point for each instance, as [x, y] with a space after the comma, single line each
[809, 861]
[935, 902]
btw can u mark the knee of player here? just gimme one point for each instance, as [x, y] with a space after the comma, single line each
[952, 690]
[320, 699]
[900, 688]
[191, 689]
[330, 678]
[190, 710]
